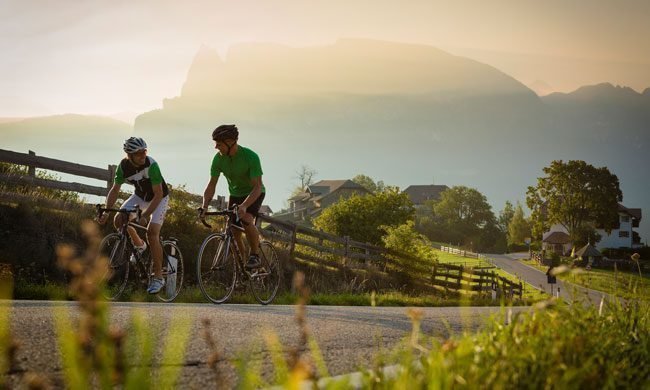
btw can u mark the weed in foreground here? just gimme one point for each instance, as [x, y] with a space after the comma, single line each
[553, 345]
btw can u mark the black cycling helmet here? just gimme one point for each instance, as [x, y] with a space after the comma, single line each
[224, 132]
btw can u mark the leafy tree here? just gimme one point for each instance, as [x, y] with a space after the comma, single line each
[518, 228]
[464, 209]
[369, 184]
[462, 216]
[505, 216]
[574, 194]
[360, 217]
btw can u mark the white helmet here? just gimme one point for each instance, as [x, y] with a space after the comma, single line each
[134, 144]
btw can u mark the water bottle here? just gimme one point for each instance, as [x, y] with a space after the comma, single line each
[171, 272]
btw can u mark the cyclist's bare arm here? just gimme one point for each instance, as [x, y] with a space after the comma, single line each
[210, 189]
[111, 198]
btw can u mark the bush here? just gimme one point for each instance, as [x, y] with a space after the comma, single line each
[360, 217]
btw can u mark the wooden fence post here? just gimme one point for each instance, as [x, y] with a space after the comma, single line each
[111, 176]
[293, 241]
[32, 169]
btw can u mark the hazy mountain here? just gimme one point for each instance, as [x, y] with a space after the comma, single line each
[541, 88]
[405, 114]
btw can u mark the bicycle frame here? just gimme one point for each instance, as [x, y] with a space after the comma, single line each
[124, 234]
[229, 236]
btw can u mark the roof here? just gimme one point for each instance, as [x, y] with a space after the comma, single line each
[421, 193]
[326, 186]
[634, 213]
[589, 251]
[557, 238]
[301, 196]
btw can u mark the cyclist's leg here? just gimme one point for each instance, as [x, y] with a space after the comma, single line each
[153, 235]
[131, 202]
[252, 235]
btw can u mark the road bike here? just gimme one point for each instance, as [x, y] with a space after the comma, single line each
[118, 249]
[220, 264]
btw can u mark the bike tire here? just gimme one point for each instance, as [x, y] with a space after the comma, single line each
[114, 249]
[216, 273]
[265, 281]
[172, 274]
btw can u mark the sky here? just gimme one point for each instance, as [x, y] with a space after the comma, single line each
[123, 57]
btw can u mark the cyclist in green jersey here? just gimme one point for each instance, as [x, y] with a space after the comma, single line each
[243, 171]
[151, 194]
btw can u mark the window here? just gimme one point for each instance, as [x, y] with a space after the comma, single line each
[624, 233]
[625, 219]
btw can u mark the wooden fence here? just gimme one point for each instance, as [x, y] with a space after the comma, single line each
[459, 252]
[338, 252]
[32, 161]
[477, 279]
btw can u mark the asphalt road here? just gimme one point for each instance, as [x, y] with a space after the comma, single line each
[511, 264]
[348, 336]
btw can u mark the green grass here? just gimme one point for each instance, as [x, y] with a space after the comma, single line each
[450, 258]
[622, 284]
[193, 295]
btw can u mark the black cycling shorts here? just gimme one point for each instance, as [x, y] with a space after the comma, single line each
[253, 209]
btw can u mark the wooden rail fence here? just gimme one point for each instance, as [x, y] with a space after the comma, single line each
[476, 279]
[32, 161]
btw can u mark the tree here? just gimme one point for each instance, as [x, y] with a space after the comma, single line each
[305, 176]
[369, 184]
[505, 216]
[360, 217]
[462, 216]
[518, 228]
[574, 194]
[464, 209]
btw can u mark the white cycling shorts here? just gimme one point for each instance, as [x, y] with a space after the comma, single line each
[158, 216]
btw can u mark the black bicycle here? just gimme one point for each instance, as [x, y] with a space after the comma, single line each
[220, 264]
[118, 249]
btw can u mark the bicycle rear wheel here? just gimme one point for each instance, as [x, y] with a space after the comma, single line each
[114, 249]
[216, 270]
[265, 280]
[173, 271]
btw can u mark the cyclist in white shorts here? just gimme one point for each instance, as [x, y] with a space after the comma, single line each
[151, 194]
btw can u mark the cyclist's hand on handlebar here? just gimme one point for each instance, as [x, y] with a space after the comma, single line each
[102, 218]
[201, 212]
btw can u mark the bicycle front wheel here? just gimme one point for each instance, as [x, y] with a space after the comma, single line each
[265, 280]
[173, 271]
[215, 268]
[114, 249]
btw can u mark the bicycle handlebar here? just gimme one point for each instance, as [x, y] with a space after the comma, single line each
[229, 213]
[101, 210]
